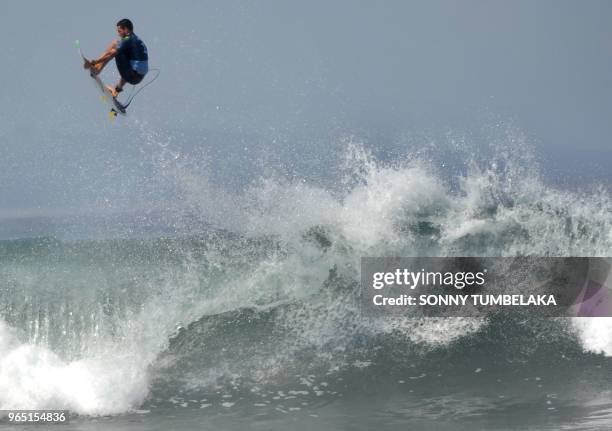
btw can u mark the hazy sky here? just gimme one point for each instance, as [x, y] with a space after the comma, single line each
[292, 77]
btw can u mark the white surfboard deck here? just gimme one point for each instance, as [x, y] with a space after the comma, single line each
[116, 106]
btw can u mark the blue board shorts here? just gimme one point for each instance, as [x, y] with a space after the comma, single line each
[130, 75]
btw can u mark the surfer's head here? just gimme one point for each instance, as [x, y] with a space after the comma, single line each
[124, 27]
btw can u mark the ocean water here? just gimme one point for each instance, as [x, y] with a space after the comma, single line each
[248, 317]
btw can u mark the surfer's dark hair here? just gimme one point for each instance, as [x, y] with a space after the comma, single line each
[126, 23]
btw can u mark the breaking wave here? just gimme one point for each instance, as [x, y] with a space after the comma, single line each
[261, 296]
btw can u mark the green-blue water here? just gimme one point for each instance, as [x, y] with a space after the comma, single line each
[254, 322]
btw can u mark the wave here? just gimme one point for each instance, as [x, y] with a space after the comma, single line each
[266, 295]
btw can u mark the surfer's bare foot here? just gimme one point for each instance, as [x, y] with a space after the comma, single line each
[113, 90]
[97, 68]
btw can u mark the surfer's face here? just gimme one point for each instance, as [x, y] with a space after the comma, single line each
[122, 31]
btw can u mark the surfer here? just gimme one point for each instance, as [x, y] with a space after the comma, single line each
[130, 54]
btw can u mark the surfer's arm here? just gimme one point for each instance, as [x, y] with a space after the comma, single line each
[110, 53]
[105, 57]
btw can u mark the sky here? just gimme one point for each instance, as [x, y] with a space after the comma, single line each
[246, 84]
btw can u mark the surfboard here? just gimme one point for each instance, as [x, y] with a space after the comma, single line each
[116, 106]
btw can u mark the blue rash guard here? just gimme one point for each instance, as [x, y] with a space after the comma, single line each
[132, 59]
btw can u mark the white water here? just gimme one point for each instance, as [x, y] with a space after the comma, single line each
[494, 211]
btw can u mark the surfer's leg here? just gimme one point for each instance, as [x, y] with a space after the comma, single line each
[99, 66]
[111, 47]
